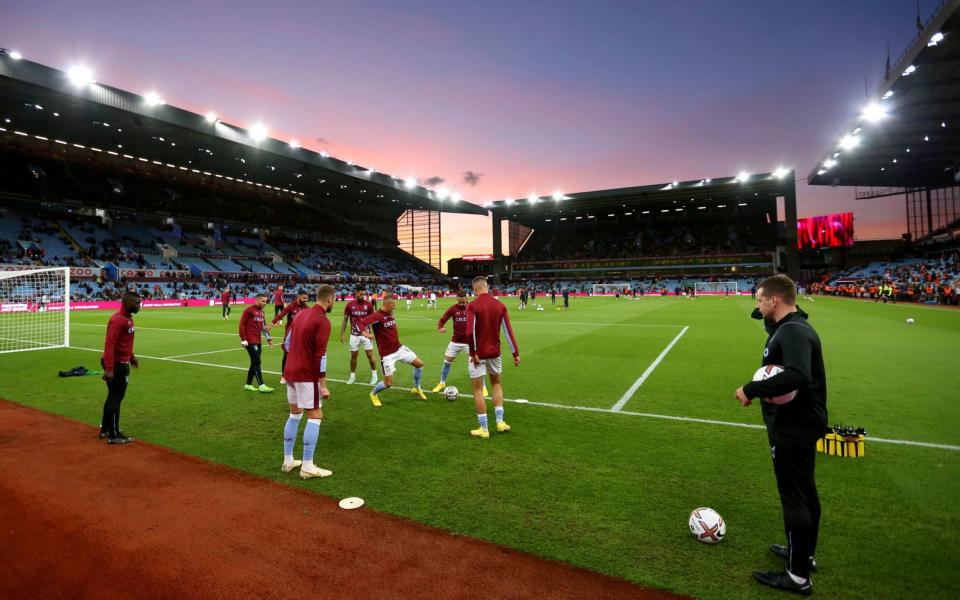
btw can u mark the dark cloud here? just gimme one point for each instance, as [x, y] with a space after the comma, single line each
[471, 178]
[323, 143]
[433, 181]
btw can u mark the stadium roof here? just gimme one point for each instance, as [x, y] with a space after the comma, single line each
[69, 107]
[908, 134]
[726, 193]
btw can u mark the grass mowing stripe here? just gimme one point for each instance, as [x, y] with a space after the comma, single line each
[636, 384]
[567, 407]
[201, 353]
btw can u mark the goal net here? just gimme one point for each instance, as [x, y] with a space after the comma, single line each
[716, 287]
[34, 309]
[607, 288]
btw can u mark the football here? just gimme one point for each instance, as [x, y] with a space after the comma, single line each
[707, 525]
[768, 371]
[909, 320]
[451, 393]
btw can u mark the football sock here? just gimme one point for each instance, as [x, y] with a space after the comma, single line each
[483, 421]
[379, 387]
[310, 434]
[417, 376]
[290, 433]
[498, 411]
[445, 372]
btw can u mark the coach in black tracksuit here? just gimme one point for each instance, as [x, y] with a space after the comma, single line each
[793, 427]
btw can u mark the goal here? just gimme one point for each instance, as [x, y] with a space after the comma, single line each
[34, 309]
[600, 289]
[716, 287]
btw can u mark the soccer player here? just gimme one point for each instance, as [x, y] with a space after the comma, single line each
[306, 376]
[251, 327]
[225, 302]
[277, 300]
[432, 303]
[290, 311]
[384, 330]
[485, 317]
[355, 312]
[409, 300]
[566, 298]
[793, 426]
[117, 359]
[460, 341]
[553, 295]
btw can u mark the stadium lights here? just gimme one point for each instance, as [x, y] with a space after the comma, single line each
[849, 142]
[558, 195]
[887, 95]
[443, 193]
[487, 204]
[294, 144]
[821, 171]
[674, 183]
[508, 201]
[15, 55]
[80, 76]
[829, 163]
[153, 99]
[532, 198]
[874, 112]
[935, 39]
[909, 70]
[211, 117]
[324, 154]
[781, 172]
[410, 181]
[926, 138]
[258, 132]
[456, 197]
[743, 177]
[707, 180]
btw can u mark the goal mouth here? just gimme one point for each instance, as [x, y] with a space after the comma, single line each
[34, 309]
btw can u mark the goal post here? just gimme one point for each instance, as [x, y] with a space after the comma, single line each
[716, 287]
[34, 309]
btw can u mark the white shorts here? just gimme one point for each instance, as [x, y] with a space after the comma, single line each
[305, 394]
[389, 362]
[487, 366]
[409, 302]
[358, 340]
[454, 349]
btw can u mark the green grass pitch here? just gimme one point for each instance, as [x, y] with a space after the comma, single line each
[575, 481]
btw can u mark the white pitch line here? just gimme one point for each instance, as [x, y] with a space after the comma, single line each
[200, 353]
[636, 384]
[160, 329]
[574, 408]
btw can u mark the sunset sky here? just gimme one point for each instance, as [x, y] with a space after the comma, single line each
[504, 99]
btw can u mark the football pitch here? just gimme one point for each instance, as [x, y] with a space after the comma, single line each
[624, 420]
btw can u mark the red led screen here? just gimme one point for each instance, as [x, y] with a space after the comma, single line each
[826, 231]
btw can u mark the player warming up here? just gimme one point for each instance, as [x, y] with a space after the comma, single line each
[459, 343]
[225, 302]
[251, 327]
[290, 311]
[117, 359]
[485, 317]
[355, 312]
[306, 375]
[384, 330]
[278, 300]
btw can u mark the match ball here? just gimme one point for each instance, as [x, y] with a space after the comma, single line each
[909, 320]
[768, 371]
[707, 525]
[540, 308]
[451, 393]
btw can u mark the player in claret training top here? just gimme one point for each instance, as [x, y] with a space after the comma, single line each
[117, 359]
[306, 375]
[277, 300]
[486, 316]
[384, 330]
[251, 327]
[459, 343]
[355, 312]
[225, 297]
[290, 311]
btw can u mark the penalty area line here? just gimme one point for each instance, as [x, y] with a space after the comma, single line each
[570, 407]
[636, 384]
